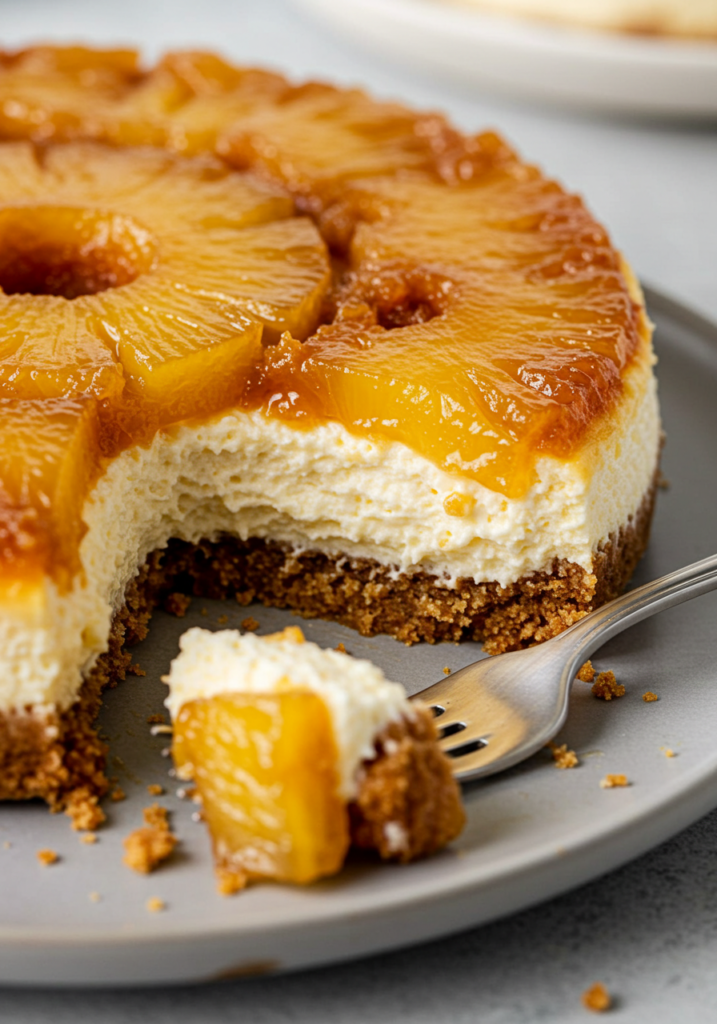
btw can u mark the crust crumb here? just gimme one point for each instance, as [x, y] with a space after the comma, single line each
[563, 757]
[668, 752]
[135, 670]
[446, 670]
[156, 720]
[586, 673]
[222, 620]
[606, 687]
[154, 904]
[408, 804]
[47, 857]
[177, 604]
[90, 838]
[341, 649]
[84, 811]
[154, 789]
[613, 781]
[118, 794]
[649, 697]
[597, 998]
[156, 817]
[147, 847]
[249, 624]
[230, 881]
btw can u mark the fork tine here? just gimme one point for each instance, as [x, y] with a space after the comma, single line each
[477, 721]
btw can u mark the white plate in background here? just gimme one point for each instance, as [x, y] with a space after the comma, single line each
[607, 71]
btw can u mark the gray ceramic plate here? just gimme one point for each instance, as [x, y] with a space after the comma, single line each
[532, 832]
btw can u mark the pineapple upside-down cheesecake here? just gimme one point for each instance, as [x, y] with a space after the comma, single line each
[298, 752]
[291, 344]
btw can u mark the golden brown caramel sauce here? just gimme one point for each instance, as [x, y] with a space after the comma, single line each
[49, 456]
[469, 309]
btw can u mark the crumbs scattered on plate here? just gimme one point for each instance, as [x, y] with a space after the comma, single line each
[154, 904]
[47, 857]
[606, 686]
[586, 673]
[614, 781]
[147, 847]
[563, 757]
[649, 697]
[596, 998]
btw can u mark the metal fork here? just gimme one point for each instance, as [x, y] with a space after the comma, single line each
[498, 711]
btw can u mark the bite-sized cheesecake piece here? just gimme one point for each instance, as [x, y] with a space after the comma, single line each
[342, 359]
[297, 752]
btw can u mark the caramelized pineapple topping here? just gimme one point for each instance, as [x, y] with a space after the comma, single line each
[265, 768]
[340, 259]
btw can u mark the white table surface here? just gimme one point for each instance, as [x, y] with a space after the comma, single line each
[649, 931]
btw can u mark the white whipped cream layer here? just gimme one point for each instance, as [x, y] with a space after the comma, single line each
[360, 700]
[321, 489]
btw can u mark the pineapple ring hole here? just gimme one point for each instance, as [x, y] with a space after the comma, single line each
[70, 251]
[401, 294]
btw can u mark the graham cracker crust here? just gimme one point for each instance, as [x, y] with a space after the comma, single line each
[408, 803]
[59, 756]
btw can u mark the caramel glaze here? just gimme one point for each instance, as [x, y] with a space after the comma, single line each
[471, 309]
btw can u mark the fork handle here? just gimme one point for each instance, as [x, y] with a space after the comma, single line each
[682, 585]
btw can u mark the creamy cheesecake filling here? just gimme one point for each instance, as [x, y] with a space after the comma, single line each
[322, 489]
[360, 700]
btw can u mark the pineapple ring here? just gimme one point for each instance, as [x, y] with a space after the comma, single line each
[147, 280]
[534, 320]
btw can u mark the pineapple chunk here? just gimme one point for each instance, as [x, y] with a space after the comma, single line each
[49, 350]
[217, 95]
[265, 766]
[60, 93]
[350, 136]
[48, 461]
[177, 271]
[472, 329]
